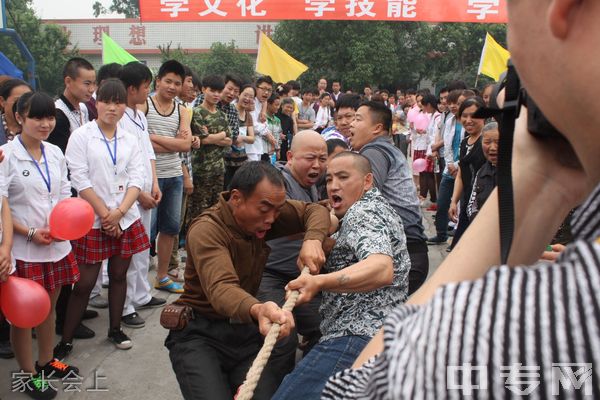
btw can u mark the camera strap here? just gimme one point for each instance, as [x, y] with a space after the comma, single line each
[507, 119]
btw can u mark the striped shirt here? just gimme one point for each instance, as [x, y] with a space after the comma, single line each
[517, 331]
[168, 165]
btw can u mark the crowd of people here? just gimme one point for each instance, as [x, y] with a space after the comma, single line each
[261, 180]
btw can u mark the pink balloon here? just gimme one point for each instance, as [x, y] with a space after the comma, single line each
[422, 122]
[25, 303]
[412, 115]
[419, 165]
[71, 219]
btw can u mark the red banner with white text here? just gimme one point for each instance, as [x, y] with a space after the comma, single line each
[482, 11]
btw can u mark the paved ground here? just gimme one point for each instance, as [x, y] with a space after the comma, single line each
[143, 372]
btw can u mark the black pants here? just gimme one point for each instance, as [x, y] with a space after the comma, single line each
[211, 358]
[419, 265]
[306, 317]
[428, 185]
[285, 146]
[229, 172]
[463, 224]
[401, 143]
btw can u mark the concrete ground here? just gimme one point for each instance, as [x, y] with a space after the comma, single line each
[144, 371]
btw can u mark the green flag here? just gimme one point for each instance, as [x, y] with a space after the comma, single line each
[113, 53]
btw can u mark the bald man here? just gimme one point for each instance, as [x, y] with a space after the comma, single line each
[365, 276]
[306, 164]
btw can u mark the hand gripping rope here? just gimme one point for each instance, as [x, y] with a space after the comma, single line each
[246, 391]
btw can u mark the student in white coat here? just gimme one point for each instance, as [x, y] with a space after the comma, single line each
[7, 266]
[6, 233]
[35, 175]
[107, 171]
[137, 78]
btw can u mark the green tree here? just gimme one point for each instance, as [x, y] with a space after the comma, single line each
[179, 54]
[225, 58]
[128, 8]
[386, 54]
[47, 43]
[358, 52]
[221, 59]
[454, 50]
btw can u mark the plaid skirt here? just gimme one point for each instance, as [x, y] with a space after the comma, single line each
[422, 154]
[96, 246]
[51, 275]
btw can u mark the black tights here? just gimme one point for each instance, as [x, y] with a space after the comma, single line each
[117, 290]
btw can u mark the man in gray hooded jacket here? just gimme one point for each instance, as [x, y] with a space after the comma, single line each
[370, 136]
[307, 161]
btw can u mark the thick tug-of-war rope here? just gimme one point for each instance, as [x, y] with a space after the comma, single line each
[246, 391]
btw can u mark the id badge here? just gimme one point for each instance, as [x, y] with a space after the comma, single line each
[118, 188]
[47, 197]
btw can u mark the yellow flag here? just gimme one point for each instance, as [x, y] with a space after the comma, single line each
[494, 59]
[276, 63]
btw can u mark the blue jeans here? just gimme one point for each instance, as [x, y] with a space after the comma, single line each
[308, 379]
[167, 216]
[443, 205]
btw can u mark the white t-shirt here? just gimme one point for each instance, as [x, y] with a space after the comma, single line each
[134, 121]
[90, 160]
[4, 193]
[260, 130]
[30, 202]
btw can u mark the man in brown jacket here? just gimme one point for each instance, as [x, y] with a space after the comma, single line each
[226, 257]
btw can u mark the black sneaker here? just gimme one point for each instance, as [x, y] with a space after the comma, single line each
[6, 351]
[133, 320]
[57, 368]
[39, 387]
[120, 339]
[62, 350]
[81, 332]
[436, 240]
[89, 314]
[153, 303]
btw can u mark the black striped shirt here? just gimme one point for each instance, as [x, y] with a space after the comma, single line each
[531, 331]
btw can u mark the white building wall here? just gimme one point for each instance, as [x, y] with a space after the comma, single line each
[143, 39]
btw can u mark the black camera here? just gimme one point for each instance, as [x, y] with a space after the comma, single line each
[516, 96]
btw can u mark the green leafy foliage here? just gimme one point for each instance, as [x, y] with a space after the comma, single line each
[47, 43]
[385, 54]
[128, 8]
[221, 59]
[357, 52]
[454, 50]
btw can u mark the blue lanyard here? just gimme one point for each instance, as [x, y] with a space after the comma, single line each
[47, 181]
[140, 125]
[113, 155]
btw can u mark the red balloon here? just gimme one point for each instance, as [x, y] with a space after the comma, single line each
[71, 219]
[25, 303]
[419, 165]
